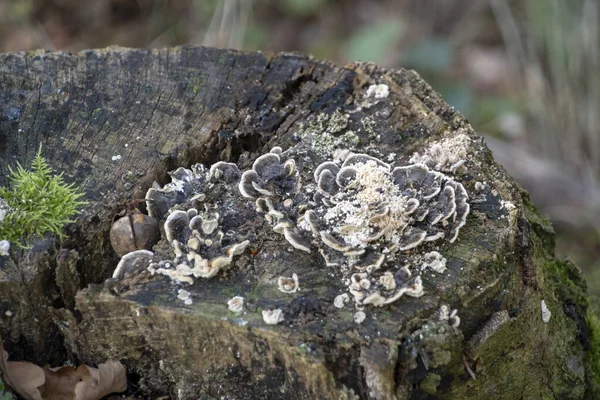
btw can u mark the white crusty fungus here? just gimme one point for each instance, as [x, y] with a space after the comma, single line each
[380, 91]
[445, 155]
[272, 317]
[360, 317]
[341, 300]
[4, 247]
[451, 316]
[546, 314]
[288, 285]
[434, 261]
[368, 212]
[236, 304]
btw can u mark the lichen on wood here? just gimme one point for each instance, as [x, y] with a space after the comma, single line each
[160, 110]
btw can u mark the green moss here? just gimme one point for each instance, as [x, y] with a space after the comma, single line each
[593, 323]
[4, 393]
[430, 384]
[37, 203]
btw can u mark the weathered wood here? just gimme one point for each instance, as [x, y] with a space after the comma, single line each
[161, 109]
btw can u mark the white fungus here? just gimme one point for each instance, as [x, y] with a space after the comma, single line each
[445, 155]
[236, 304]
[272, 317]
[359, 317]
[367, 212]
[4, 247]
[451, 316]
[434, 261]
[183, 294]
[288, 285]
[546, 314]
[341, 300]
[380, 91]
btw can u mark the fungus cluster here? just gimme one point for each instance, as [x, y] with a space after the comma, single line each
[274, 184]
[364, 216]
[445, 155]
[201, 248]
[201, 244]
[365, 213]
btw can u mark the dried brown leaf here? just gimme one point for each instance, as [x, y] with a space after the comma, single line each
[63, 383]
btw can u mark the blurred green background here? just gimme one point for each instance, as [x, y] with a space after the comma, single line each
[526, 73]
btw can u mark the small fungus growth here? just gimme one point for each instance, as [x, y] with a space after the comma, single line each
[359, 317]
[185, 296]
[236, 304]
[445, 155]
[4, 247]
[435, 261]
[341, 300]
[272, 317]
[288, 285]
[451, 316]
[380, 91]
[546, 314]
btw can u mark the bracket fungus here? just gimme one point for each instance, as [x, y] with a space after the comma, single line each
[366, 217]
[201, 243]
[201, 249]
[274, 183]
[367, 214]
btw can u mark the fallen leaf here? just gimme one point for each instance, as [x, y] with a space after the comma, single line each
[63, 383]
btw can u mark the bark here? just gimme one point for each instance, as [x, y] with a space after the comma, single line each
[162, 109]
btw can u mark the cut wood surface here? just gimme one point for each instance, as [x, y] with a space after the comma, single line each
[117, 120]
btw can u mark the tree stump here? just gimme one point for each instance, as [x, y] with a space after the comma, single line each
[117, 120]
